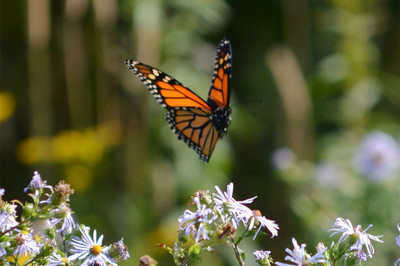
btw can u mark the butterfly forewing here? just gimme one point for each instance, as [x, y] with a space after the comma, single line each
[220, 84]
[166, 90]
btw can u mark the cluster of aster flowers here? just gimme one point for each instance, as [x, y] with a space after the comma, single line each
[46, 234]
[219, 219]
[353, 247]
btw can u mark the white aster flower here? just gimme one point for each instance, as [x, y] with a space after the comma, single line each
[37, 184]
[254, 218]
[378, 156]
[298, 256]
[230, 208]
[56, 259]
[192, 223]
[89, 250]
[11, 208]
[26, 244]
[262, 255]
[2, 191]
[345, 227]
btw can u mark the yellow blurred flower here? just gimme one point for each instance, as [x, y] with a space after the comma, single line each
[77, 151]
[87, 146]
[79, 177]
[7, 106]
[33, 150]
[21, 260]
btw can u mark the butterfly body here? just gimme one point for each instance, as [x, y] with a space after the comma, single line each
[221, 118]
[198, 123]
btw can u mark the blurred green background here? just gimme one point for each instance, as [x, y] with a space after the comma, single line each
[326, 71]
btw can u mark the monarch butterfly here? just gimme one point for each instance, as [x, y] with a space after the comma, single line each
[198, 123]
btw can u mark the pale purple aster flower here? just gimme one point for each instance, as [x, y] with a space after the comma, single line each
[89, 250]
[56, 259]
[397, 238]
[7, 221]
[2, 252]
[65, 224]
[298, 256]
[192, 223]
[360, 255]
[37, 184]
[119, 251]
[2, 191]
[230, 208]
[378, 156]
[283, 158]
[26, 244]
[345, 227]
[261, 255]
[4, 220]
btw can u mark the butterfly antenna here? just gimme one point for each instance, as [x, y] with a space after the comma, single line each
[250, 101]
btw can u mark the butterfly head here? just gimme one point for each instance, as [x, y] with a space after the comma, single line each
[221, 119]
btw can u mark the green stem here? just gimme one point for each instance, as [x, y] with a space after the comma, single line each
[184, 261]
[237, 254]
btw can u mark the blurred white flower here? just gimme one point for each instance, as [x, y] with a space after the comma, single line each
[398, 237]
[378, 156]
[283, 158]
[298, 256]
[328, 174]
[345, 227]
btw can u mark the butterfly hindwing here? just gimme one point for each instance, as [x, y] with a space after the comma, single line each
[194, 126]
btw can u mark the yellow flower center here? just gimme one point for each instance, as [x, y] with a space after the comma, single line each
[96, 250]
[38, 238]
